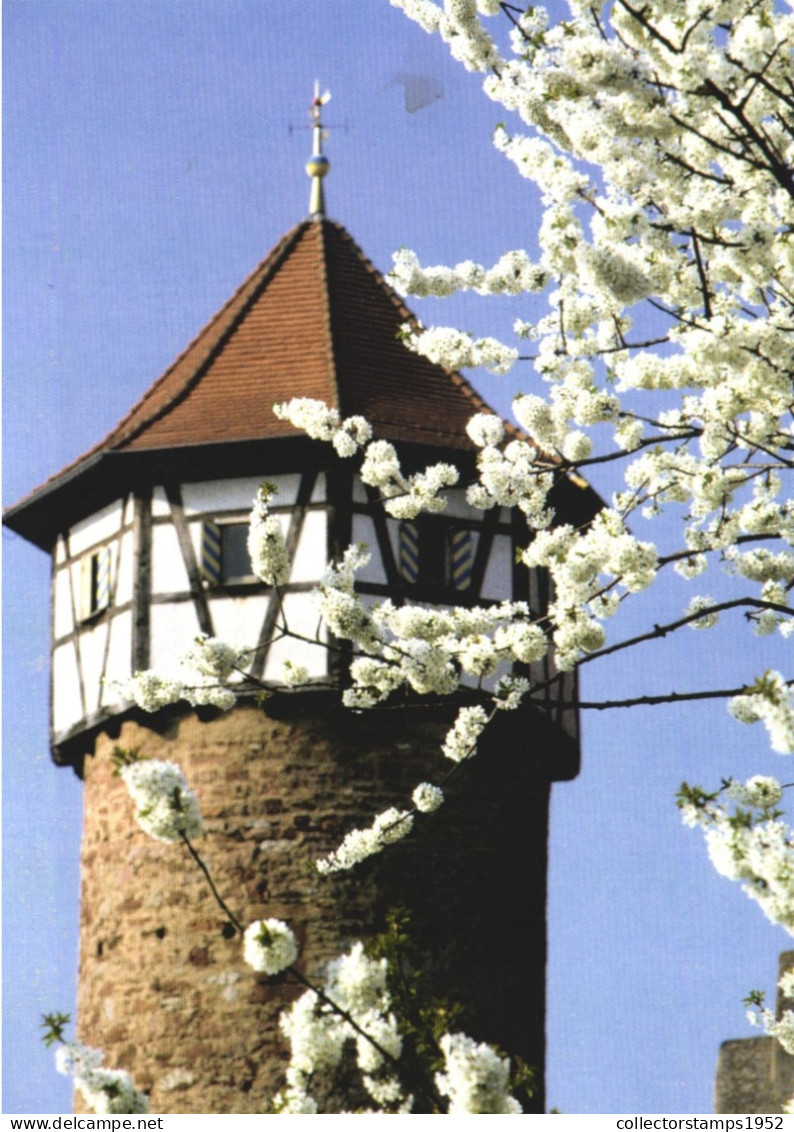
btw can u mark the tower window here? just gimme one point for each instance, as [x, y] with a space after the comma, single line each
[234, 552]
[224, 553]
[95, 583]
[433, 553]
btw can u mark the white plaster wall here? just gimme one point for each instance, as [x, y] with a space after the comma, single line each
[119, 656]
[458, 508]
[62, 620]
[498, 581]
[123, 567]
[60, 550]
[92, 652]
[172, 629]
[311, 552]
[237, 494]
[160, 505]
[169, 574]
[364, 531]
[318, 491]
[96, 528]
[238, 620]
[66, 705]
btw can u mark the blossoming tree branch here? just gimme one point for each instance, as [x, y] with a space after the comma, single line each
[661, 140]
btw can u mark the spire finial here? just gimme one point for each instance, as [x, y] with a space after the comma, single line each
[318, 164]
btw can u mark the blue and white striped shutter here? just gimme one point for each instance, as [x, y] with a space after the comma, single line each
[461, 558]
[409, 551]
[104, 561]
[211, 552]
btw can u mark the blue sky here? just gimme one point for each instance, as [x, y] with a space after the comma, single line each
[153, 154]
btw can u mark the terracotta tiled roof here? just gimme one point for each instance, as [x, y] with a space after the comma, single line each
[315, 319]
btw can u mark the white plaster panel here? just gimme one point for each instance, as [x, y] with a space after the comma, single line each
[66, 706]
[302, 616]
[237, 494]
[311, 552]
[238, 620]
[458, 508]
[92, 652]
[123, 565]
[318, 491]
[62, 618]
[498, 581]
[169, 573]
[160, 505]
[96, 528]
[60, 550]
[129, 510]
[364, 531]
[119, 657]
[173, 628]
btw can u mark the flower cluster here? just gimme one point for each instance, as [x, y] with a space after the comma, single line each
[405, 497]
[455, 349]
[320, 422]
[771, 699]
[105, 1091]
[427, 797]
[353, 1010]
[201, 677]
[266, 547]
[269, 946]
[390, 826]
[166, 807]
[461, 740]
[475, 1077]
[750, 843]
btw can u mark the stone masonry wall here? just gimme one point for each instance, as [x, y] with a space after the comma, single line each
[164, 991]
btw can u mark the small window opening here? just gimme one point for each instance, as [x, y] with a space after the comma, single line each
[224, 553]
[95, 583]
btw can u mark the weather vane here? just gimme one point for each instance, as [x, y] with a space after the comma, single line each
[318, 164]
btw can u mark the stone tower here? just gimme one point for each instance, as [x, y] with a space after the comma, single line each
[147, 538]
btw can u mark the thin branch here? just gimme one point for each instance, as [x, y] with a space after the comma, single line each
[219, 899]
[660, 631]
[704, 285]
[668, 698]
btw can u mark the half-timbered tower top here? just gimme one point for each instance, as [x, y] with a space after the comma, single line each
[147, 530]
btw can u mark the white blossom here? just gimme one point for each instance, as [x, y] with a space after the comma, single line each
[772, 701]
[166, 807]
[266, 547]
[475, 1078]
[390, 826]
[269, 946]
[461, 740]
[427, 797]
[105, 1091]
